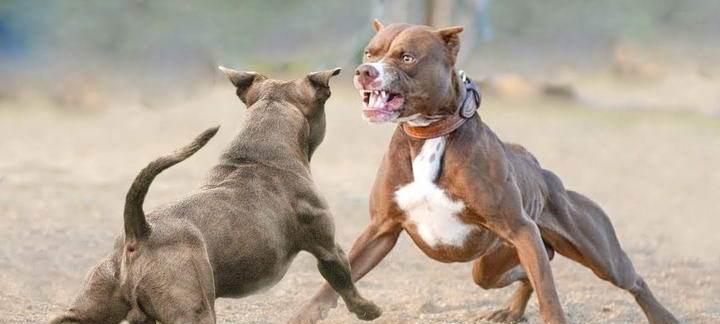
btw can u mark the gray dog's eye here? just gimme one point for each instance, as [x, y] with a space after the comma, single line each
[407, 58]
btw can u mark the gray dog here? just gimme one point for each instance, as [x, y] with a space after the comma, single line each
[240, 232]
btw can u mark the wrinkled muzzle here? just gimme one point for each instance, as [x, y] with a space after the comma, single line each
[380, 91]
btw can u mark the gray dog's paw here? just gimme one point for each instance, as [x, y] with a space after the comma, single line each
[366, 310]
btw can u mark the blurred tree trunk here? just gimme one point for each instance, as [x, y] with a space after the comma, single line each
[438, 13]
[397, 11]
[478, 29]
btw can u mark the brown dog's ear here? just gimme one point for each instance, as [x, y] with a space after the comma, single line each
[451, 37]
[242, 80]
[377, 25]
[322, 78]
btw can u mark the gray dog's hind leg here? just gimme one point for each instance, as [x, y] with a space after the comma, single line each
[577, 228]
[180, 289]
[100, 300]
[334, 267]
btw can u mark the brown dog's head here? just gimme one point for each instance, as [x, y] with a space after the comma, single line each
[307, 94]
[408, 73]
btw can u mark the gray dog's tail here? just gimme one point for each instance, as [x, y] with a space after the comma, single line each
[136, 226]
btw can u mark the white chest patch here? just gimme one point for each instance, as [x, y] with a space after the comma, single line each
[427, 205]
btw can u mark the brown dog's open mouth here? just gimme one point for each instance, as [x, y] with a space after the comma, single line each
[382, 99]
[381, 105]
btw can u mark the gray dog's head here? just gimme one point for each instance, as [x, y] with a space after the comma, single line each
[307, 94]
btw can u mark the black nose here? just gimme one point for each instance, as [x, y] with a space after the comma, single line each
[366, 74]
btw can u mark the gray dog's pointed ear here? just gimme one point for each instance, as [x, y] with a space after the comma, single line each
[377, 25]
[322, 78]
[451, 37]
[242, 80]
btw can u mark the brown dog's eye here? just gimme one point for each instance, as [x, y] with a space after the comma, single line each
[407, 58]
[367, 54]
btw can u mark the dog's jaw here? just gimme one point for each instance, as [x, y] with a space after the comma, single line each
[381, 102]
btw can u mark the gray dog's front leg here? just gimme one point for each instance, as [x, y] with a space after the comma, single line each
[334, 267]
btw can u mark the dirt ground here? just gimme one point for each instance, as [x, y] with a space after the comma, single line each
[63, 177]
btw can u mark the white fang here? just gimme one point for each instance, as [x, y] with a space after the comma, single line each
[427, 205]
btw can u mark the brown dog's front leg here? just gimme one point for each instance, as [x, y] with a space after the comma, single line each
[535, 261]
[508, 219]
[376, 241]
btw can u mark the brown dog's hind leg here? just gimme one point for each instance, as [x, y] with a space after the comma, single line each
[515, 307]
[499, 268]
[577, 228]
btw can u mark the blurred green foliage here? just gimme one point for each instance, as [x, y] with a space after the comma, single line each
[287, 31]
[170, 42]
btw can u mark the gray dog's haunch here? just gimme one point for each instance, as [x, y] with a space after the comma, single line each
[240, 232]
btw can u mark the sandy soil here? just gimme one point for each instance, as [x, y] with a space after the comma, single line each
[63, 177]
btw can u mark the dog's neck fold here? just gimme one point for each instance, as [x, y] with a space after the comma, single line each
[273, 135]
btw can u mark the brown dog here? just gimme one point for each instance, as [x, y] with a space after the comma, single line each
[240, 232]
[462, 194]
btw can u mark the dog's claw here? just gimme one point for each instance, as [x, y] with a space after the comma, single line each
[504, 315]
[366, 310]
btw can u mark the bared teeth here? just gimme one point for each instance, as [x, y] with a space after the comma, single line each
[376, 98]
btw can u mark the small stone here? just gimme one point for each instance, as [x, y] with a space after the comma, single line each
[429, 307]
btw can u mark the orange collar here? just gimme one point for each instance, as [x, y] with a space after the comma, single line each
[439, 128]
[447, 125]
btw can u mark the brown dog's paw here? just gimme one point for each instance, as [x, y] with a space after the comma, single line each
[504, 315]
[66, 318]
[366, 310]
[311, 313]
